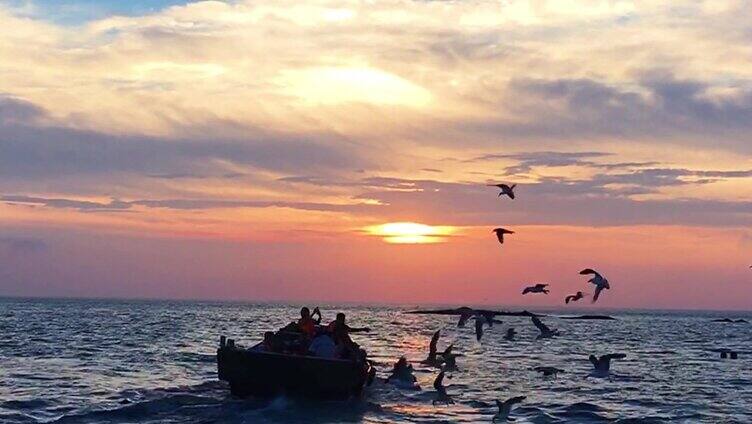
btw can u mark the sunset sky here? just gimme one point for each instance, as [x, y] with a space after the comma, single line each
[274, 150]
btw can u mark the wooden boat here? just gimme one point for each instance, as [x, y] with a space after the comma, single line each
[255, 372]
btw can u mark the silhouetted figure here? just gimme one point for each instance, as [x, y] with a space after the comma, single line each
[450, 359]
[602, 365]
[506, 190]
[600, 282]
[505, 408]
[574, 297]
[479, 327]
[545, 332]
[500, 233]
[733, 355]
[402, 375]
[538, 288]
[306, 323]
[441, 393]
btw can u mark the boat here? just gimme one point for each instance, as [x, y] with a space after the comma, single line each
[256, 372]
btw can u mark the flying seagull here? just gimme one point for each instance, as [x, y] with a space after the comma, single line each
[600, 282]
[463, 319]
[442, 396]
[505, 189]
[500, 233]
[450, 359]
[574, 297]
[603, 364]
[479, 321]
[431, 360]
[545, 332]
[506, 407]
[548, 371]
[538, 288]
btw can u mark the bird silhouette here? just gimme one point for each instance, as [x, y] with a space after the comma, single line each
[548, 371]
[441, 394]
[506, 190]
[538, 288]
[545, 331]
[500, 233]
[600, 282]
[602, 365]
[574, 297]
[506, 407]
[431, 359]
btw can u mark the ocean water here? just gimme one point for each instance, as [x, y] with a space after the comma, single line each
[102, 361]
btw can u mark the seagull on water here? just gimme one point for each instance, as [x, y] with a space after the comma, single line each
[548, 371]
[574, 297]
[603, 364]
[450, 359]
[538, 288]
[600, 282]
[545, 332]
[506, 407]
[510, 334]
[506, 190]
[500, 233]
[441, 394]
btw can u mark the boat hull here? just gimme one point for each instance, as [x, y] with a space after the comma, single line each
[264, 374]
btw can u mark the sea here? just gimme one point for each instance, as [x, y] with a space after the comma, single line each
[135, 361]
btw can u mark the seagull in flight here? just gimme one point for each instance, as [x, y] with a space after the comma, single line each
[431, 360]
[574, 297]
[450, 359]
[506, 190]
[500, 234]
[600, 282]
[479, 321]
[545, 332]
[548, 371]
[506, 407]
[603, 364]
[442, 395]
[538, 288]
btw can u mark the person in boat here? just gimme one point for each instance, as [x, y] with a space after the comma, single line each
[307, 324]
[270, 343]
[340, 332]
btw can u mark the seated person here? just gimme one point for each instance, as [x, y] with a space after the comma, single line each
[323, 346]
[346, 348]
[306, 323]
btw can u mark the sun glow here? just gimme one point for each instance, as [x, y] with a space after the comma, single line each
[411, 232]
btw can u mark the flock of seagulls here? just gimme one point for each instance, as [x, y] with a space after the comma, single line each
[446, 360]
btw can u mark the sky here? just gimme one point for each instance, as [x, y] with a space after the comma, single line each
[341, 150]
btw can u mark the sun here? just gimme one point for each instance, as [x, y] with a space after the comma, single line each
[410, 232]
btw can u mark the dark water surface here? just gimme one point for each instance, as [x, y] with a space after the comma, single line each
[102, 361]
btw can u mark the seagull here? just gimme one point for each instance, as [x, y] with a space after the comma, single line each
[449, 358]
[442, 396]
[545, 332]
[500, 233]
[479, 327]
[510, 334]
[600, 282]
[463, 319]
[505, 189]
[506, 407]
[548, 371]
[574, 297]
[431, 360]
[538, 288]
[603, 364]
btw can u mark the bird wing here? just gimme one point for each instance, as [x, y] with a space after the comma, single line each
[463, 320]
[598, 290]
[594, 361]
[540, 325]
[438, 383]
[500, 236]
[478, 329]
[611, 356]
[434, 340]
[541, 286]
[587, 271]
[527, 290]
[514, 400]
[568, 298]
